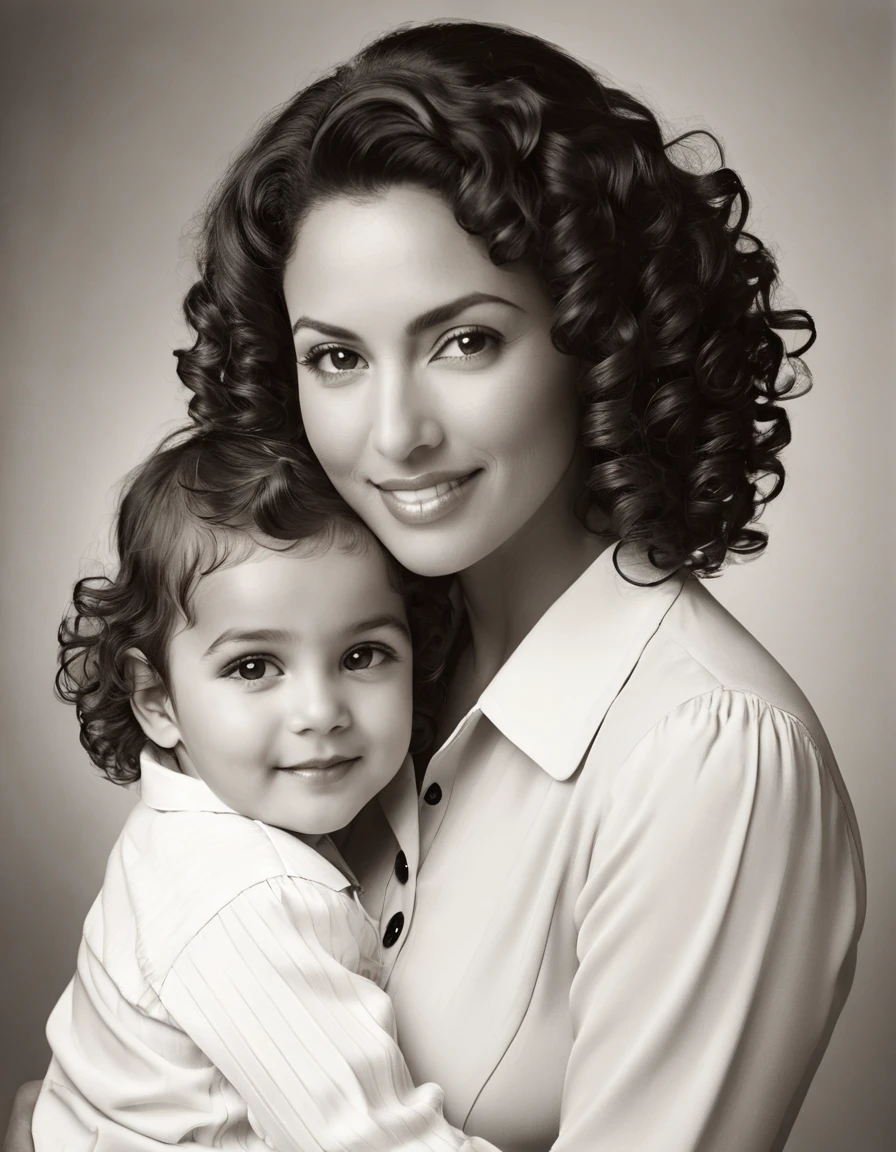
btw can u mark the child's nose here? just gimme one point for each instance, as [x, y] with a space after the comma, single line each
[318, 706]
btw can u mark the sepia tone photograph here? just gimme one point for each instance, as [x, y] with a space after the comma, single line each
[447, 489]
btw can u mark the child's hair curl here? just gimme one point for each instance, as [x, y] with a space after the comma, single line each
[194, 505]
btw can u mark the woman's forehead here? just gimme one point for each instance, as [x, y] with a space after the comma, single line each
[391, 256]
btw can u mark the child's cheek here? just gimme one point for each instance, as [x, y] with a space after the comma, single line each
[244, 718]
[390, 716]
[231, 718]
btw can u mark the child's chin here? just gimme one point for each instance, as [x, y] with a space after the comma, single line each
[317, 824]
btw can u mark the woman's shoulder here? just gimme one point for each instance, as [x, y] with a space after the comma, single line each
[701, 661]
[707, 697]
[703, 672]
[711, 639]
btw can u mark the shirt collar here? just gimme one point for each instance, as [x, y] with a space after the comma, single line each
[551, 696]
[169, 790]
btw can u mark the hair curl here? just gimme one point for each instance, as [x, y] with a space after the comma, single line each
[194, 505]
[659, 291]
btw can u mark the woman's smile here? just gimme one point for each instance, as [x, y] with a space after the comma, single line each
[427, 498]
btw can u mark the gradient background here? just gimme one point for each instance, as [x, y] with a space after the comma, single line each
[117, 117]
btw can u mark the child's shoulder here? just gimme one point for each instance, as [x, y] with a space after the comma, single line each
[177, 870]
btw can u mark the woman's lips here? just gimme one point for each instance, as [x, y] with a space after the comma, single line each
[425, 498]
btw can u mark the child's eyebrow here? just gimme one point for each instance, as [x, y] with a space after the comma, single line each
[387, 620]
[281, 636]
[256, 636]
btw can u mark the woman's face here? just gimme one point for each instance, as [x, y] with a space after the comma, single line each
[429, 386]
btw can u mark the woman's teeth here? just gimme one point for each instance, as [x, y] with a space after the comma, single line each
[424, 495]
[416, 506]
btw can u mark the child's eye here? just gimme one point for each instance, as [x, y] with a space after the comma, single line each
[252, 668]
[365, 656]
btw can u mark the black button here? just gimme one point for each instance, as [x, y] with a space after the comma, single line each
[393, 929]
[401, 868]
[433, 794]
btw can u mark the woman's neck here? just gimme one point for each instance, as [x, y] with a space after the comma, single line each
[507, 592]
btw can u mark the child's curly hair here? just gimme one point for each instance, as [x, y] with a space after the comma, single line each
[195, 504]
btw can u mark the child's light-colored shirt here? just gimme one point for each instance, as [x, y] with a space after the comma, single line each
[224, 997]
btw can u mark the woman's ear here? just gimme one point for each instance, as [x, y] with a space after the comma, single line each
[150, 701]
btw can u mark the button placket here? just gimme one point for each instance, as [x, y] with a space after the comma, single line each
[401, 868]
[438, 782]
[399, 895]
[393, 929]
[397, 917]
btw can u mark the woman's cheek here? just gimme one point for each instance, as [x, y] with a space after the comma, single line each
[334, 431]
[533, 393]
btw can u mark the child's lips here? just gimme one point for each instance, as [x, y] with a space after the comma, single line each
[319, 762]
[322, 772]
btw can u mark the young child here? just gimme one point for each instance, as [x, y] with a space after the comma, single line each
[252, 664]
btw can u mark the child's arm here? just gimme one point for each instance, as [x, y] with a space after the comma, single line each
[308, 1043]
[18, 1134]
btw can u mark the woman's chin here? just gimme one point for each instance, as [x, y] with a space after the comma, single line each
[432, 556]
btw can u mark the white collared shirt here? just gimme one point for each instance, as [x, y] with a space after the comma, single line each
[640, 886]
[224, 997]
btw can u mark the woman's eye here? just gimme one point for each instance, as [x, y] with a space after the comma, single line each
[341, 359]
[332, 360]
[463, 345]
[363, 657]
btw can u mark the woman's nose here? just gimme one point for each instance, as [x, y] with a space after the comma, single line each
[317, 706]
[403, 420]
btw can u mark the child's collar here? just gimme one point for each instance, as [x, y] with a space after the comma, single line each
[167, 789]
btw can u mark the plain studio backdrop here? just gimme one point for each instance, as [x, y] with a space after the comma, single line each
[117, 118]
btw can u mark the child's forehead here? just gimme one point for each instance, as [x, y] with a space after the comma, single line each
[309, 584]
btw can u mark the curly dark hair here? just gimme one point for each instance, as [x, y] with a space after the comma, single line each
[193, 505]
[659, 292]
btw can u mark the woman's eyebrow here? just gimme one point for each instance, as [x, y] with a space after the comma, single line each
[331, 330]
[441, 314]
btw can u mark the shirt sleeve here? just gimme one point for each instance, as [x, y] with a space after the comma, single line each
[268, 991]
[716, 936]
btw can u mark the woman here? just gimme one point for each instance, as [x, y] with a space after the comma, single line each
[530, 345]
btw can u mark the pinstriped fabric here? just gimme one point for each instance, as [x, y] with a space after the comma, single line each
[225, 997]
[311, 1044]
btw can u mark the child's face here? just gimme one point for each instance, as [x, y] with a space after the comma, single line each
[291, 691]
